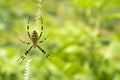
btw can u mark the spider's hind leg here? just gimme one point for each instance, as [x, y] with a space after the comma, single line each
[43, 51]
[25, 54]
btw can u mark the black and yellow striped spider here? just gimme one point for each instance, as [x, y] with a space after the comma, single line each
[34, 41]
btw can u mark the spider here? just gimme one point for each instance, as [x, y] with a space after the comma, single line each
[34, 40]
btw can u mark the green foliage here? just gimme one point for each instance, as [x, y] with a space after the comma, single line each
[83, 37]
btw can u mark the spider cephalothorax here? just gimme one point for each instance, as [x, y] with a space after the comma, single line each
[34, 41]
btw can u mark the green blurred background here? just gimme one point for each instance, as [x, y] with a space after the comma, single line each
[83, 37]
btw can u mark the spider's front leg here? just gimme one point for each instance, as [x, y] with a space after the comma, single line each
[28, 29]
[43, 51]
[41, 28]
[25, 54]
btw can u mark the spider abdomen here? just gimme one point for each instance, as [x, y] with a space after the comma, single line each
[34, 37]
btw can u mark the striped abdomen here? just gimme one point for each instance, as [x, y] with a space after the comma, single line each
[34, 38]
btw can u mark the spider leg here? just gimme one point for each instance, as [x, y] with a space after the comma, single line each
[25, 54]
[43, 51]
[28, 29]
[42, 40]
[41, 28]
[24, 41]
